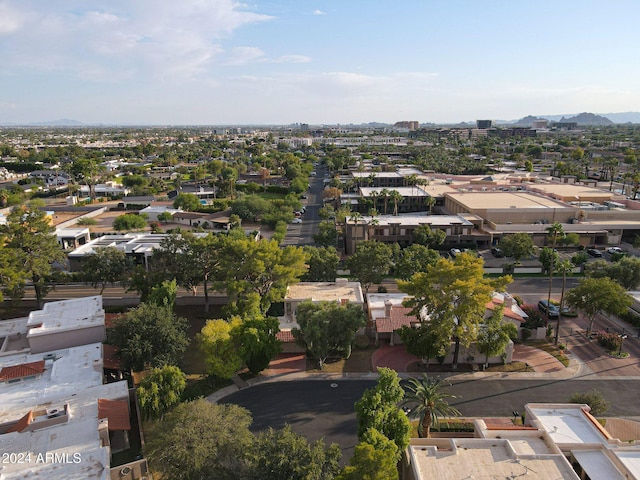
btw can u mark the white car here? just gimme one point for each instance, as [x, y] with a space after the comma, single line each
[296, 220]
[612, 250]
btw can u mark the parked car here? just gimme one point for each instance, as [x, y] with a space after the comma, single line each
[497, 252]
[568, 312]
[615, 250]
[594, 252]
[296, 220]
[454, 252]
[554, 311]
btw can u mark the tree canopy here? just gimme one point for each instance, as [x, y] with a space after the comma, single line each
[323, 264]
[495, 334]
[200, 439]
[378, 408]
[597, 295]
[518, 246]
[129, 222]
[105, 266]
[161, 390]
[429, 402]
[454, 296]
[371, 262]
[328, 328]
[149, 335]
[31, 250]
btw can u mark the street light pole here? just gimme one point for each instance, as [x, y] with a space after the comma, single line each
[622, 337]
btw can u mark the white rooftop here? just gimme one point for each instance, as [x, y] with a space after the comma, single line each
[567, 424]
[415, 191]
[336, 291]
[66, 315]
[417, 218]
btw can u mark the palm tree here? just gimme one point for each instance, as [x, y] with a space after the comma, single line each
[372, 223]
[430, 402]
[384, 193]
[355, 218]
[430, 202]
[396, 196]
[565, 267]
[555, 230]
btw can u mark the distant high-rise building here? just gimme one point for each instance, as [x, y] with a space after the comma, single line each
[540, 123]
[484, 123]
[411, 125]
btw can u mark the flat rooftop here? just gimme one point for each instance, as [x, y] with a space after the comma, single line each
[415, 219]
[416, 191]
[570, 190]
[567, 424]
[506, 200]
[484, 458]
[325, 291]
[66, 315]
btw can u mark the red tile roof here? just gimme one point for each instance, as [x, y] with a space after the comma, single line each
[507, 312]
[110, 358]
[22, 370]
[116, 411]
[400, 317]
[285, 336]
[23, 423]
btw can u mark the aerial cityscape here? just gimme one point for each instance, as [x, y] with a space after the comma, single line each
[319, 240]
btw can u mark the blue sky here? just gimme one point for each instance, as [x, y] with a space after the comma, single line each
[315, 61]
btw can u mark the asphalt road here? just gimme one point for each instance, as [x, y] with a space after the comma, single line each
[317, 410]
[302, 233]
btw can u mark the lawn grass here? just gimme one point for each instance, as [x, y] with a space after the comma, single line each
[270, 195]
[552, 350]
[510, 367]
[358, 362]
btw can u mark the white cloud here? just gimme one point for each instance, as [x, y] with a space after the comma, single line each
[244, 55]
[146, 37]
[291, 59]
[11, 20]
[319, 12]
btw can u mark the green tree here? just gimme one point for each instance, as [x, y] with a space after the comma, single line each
[129, 222]
[424, 235]
[257, 342]
[371, 262]
[161, 390]
[165, 217]
[87, 171]
[555, 231]
[283, 454]
[32, 248]
[251, 207]
[372, 462]
[429, 402]
[597, 295]
[323, 264]
[247, 267]
[594, 399]
[495, 334]
[149, 335]
[327, 235]
[220, 349]
[454, 295]
[327, 328]
[104, 266]
[12, 276]
[517, 245]
[164, 294]
[378, 408]
[201, 439]
[626, 271]
[414, 259]
[548, 257]
[424, 342]
[564, 268]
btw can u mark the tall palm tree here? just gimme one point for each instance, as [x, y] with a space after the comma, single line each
[355, 218]
[384, 193]
[565, 267]
[396, 196]
[555, 230]
[430, 202]
[430, 402]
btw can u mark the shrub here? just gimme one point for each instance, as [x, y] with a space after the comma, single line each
[518, 300]
[535, 318]
[594, 399]
[361, 341]
[382, 289]
[87, 221]
[610, 341]
[526, 333]
[277, 189]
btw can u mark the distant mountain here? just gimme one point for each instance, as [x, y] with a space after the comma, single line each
[626, 117]
[527, 121]
[588, 119]
[63, 122]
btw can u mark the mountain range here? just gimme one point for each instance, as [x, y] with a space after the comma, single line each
[581, 119]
